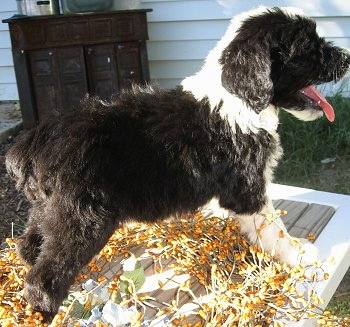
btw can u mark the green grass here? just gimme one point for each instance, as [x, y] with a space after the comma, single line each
[340, 305]
[306, 145]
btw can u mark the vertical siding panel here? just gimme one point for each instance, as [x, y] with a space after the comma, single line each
[181, 34]
[8, 86]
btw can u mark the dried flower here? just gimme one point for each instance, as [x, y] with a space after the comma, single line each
[216, 279]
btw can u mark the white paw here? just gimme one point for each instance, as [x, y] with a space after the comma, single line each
[299, 251]
[213, 209]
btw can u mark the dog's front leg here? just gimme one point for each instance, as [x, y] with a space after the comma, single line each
[268, 231]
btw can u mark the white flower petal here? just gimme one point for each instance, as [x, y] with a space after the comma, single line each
[89, 285]
[130, 263]
[116, 315]
[159, 322]
[95, 315]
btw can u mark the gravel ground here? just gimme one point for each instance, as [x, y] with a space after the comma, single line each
[13, 205]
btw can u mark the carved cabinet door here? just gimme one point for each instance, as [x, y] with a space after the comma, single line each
[129, 64]
[102, 70]
[59, 78]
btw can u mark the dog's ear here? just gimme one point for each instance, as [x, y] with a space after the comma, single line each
[246, 70]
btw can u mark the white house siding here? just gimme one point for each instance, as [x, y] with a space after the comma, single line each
[8, 87]
[180, 35]
[182, 32]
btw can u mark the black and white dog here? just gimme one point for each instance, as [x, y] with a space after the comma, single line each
[152, 153]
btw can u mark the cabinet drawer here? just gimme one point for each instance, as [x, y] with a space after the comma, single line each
[63, 30]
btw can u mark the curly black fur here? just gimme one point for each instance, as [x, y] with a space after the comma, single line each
[274, 55]
[153, 153]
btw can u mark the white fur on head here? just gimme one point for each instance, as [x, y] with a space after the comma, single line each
[207, 83]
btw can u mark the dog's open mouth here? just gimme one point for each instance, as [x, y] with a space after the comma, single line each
[319, 101]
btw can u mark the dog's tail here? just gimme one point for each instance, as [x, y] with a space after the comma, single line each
[21, 164]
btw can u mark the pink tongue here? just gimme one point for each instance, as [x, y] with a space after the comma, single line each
[313, 94]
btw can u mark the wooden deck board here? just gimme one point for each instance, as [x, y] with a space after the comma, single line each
[305, 218]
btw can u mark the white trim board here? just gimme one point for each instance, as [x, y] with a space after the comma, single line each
[334, 240]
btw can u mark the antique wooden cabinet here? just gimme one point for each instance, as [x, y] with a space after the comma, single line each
[60, 58]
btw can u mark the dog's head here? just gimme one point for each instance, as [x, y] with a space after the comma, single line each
[276, 58]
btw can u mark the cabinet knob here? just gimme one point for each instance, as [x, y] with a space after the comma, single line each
[50, 53]
[120, 47]
[89, 50]
[132, 72]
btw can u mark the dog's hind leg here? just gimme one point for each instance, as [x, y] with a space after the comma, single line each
[71, 240]
[29, 243]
